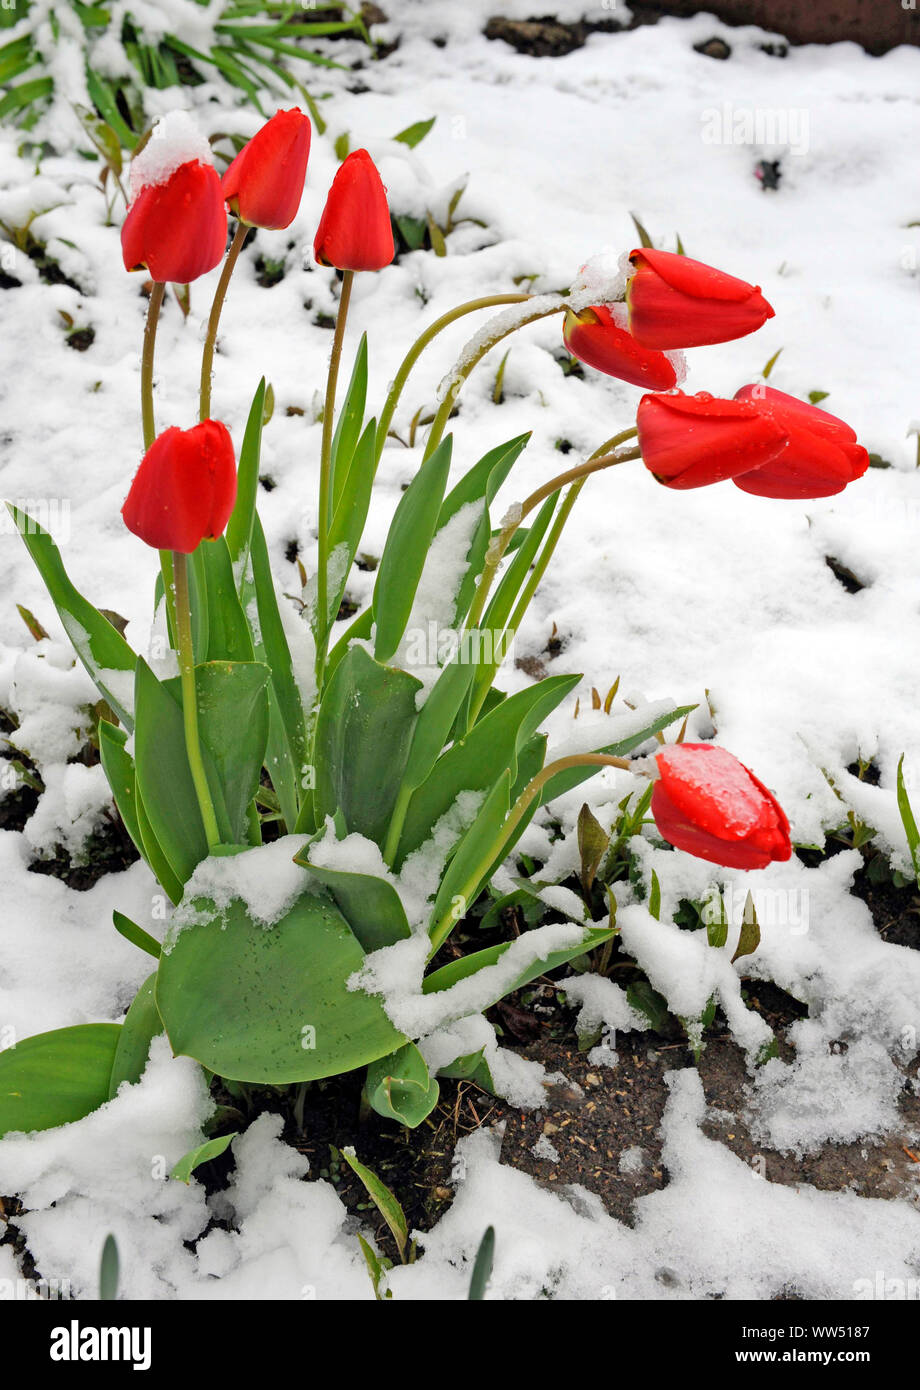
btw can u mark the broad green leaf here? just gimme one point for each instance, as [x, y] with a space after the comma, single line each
[141, 1025]
[136, 935]
[101, 647]
[271, 1005]
[233, 718]
[118, 766]
[406, 550]
[351, 514]
[153, 853]
[474, 761]
[363, 733]
[371, 906]
[164, 779]
[399, 1087]
[25, 94]
[287, 749]
[480, 484]
[239, 527]
[229, 637]
[482, 1266]
[437, 715]
[460, 969]
[383, 1200]
[500, 607]
[414, 134]
[213, 1148]
[484, 479]
[55, 1078]
[348, 425]
[472, 859]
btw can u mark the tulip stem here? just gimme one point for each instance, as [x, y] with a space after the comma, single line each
[472, 355]
[154, 305]
[190, 698]
[502, 844]
[220, 294]
[324, 521]
[489, 301]
[148, 419]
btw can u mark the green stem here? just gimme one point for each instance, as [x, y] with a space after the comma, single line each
[325, 484]
[190, 698]
[397, 821]
[443, 927]
[418, 347]
[148, 419]
[210, 342]
[150, 337]
[469, 360]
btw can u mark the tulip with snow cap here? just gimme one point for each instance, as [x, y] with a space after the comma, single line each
[185, 488]
[354, 232]
[676, 302]
[820, 458]
[709, 804]
[264, 184]
[692, 441]
[599, 337]
[176, 227]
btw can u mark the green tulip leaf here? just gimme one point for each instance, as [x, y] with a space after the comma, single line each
[55, 1078]
[400, 1087]
[271, 1005]
[142, 1024]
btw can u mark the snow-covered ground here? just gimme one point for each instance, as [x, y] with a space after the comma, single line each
[677, 593]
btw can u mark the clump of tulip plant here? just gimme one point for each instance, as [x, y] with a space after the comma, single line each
[307, 804]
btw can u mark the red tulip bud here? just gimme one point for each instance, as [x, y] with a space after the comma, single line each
[354, 231]
[185, 488]
[264, 184]
[177, 229]
[596, 337]
[821, 455]
[676, 302]
[692, 441]
[709, 804]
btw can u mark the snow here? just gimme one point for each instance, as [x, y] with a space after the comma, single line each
[713, 599]
[174, 140]
[265, 880]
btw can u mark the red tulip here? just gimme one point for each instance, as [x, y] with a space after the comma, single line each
[821, 457]
[692, 441]
[354, 231]
[709, 804]
[264, 184]
[594, 336]
[178, 228]
[675, 302]
[185, 488]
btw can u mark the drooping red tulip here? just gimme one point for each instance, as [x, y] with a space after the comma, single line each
[709, 804]
[354, 232]
[177, 229]
[676, 302]
[264, 184]
[185, 488]
[692, 441]
[594, 336]
[821, 457]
